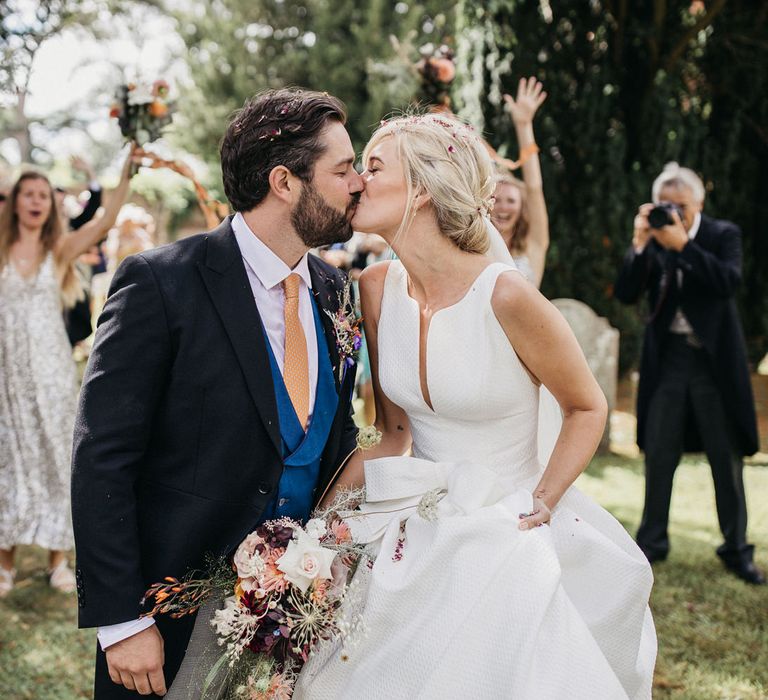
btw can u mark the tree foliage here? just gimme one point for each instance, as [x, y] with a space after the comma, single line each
[25, 25]
[630, 88]
[239, 47]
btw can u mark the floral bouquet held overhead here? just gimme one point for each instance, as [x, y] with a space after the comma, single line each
[437, 71]
[142, 111]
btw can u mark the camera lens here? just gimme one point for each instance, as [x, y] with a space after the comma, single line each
[659, 217]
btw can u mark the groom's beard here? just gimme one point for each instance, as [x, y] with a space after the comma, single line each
[317, 222]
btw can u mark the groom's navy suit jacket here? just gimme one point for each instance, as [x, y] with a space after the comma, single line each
[177, 448]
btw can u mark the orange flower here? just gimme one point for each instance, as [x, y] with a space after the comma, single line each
[280, 688]
[444, 69]
[320, 591]
[273, 579]
[341, 531]
[158, 109]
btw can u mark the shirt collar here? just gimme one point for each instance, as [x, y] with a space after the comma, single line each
[269, 268]
[695, 227]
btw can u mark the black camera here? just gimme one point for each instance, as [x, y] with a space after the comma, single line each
[661, 215]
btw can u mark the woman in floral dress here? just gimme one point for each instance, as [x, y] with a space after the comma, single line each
[38, 381]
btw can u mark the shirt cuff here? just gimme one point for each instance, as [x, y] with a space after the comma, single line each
[112, 634]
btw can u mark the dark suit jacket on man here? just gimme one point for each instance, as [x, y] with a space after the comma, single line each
[177, 446]
[711, 265]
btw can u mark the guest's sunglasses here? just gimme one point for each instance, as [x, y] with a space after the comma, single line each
[2, 197]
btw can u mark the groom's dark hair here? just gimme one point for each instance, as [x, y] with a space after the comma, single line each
[275, 127]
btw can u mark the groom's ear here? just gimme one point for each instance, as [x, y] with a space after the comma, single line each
[283, 184]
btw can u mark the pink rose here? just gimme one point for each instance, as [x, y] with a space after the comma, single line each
[248, 562]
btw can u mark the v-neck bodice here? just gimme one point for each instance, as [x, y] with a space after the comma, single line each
[484, 403]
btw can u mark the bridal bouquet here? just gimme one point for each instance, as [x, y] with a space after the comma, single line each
[142, 110]
[287, 586]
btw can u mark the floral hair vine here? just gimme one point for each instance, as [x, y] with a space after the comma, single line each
[462, 133]
[486, 205]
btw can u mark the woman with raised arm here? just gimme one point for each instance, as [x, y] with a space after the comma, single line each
[493, 576]
[520, 212]
[38, 381]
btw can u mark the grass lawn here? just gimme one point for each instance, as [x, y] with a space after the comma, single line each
[713, 629]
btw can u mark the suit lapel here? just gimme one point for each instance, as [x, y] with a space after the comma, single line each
[326, 295]
[705, 234]
[225, 278]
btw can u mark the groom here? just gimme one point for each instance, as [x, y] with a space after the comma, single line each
[215, 397]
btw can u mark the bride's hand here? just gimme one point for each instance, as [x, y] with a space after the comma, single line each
[540, 515]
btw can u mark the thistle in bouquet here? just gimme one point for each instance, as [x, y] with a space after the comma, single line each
[143, 110]
[285, 588]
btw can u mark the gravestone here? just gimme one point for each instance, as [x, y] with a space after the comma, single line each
[600, 343]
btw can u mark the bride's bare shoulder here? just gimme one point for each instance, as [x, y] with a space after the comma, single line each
[372, 279]
[374, 275]
[524, 313]
[519, 306]
[512, 292]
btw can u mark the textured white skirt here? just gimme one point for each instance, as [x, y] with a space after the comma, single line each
[460, 603]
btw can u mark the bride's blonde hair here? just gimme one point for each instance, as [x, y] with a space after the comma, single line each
[443, 157]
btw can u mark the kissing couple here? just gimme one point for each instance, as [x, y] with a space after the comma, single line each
[218, 396]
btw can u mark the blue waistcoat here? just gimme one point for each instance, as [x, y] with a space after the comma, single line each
[302, 451]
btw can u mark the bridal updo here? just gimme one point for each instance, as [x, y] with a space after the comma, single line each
[445, 158]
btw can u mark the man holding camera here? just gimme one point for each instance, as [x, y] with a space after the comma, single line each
[695, 390]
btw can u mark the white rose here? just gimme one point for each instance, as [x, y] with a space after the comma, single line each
[316, 528]
[305, 560]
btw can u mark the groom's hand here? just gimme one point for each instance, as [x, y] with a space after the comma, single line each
[137, 662]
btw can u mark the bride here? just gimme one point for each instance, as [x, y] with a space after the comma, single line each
[494, 577]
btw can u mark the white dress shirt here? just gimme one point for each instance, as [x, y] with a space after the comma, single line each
[266, 273]
[680, 324]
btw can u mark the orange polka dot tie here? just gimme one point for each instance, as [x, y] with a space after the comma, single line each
[296, 366]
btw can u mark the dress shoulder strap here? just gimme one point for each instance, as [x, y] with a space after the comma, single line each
[486, 282]
[393, 283]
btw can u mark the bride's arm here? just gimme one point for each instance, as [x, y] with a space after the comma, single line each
[545, 344]
[391, 420]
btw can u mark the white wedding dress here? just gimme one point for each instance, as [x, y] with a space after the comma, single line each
[466, 605]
